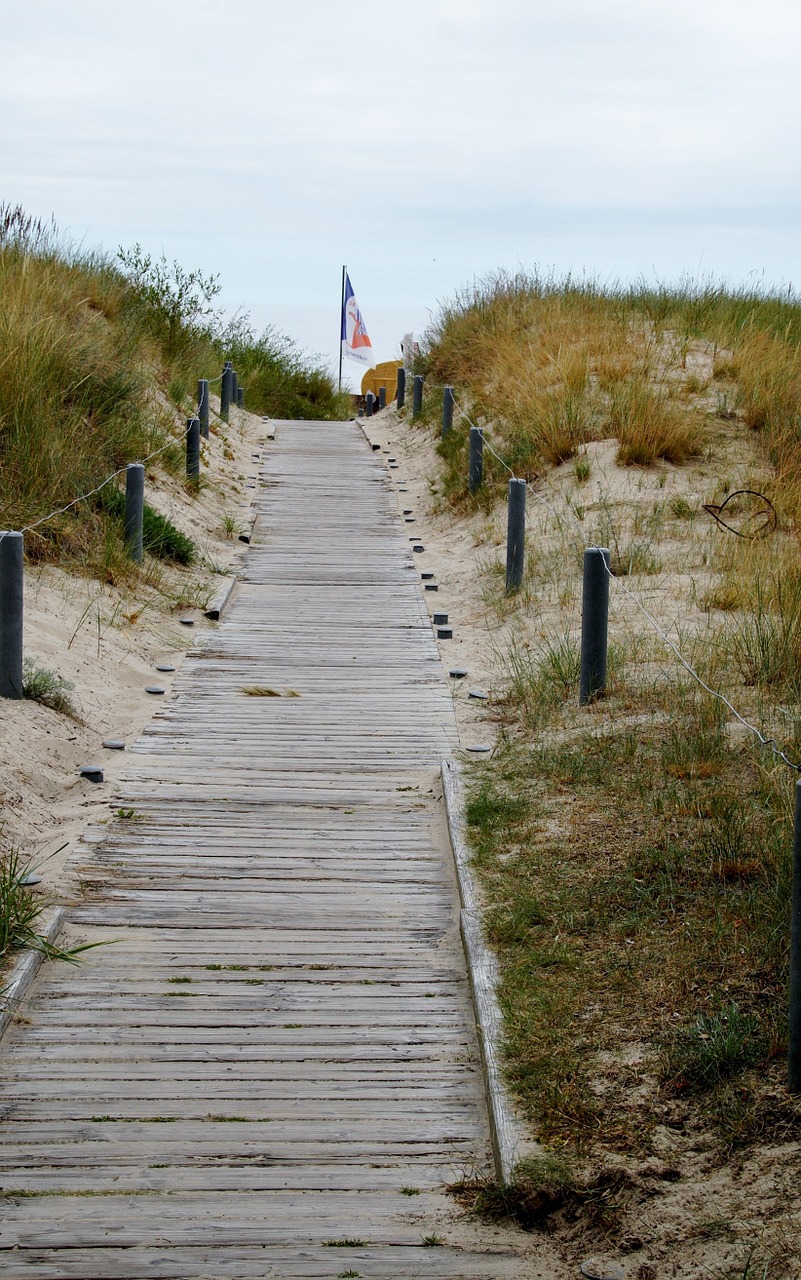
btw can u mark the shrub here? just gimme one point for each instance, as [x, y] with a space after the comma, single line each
[19, 906]
[49, 688]
[159, 535]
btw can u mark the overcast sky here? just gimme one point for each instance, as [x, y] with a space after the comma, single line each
[422, 143]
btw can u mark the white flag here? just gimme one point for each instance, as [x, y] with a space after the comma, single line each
[356, 344]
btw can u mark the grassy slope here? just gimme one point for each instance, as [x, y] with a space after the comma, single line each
[636, 854]
[98, 364]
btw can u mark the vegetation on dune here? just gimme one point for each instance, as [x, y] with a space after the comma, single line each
[72, 378]
[280, 380]
[93, 350]
[555, 363]
[635, 854]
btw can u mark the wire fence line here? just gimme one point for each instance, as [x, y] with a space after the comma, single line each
[171, 444]
[487, 444]
[28, 528]
[768, 742]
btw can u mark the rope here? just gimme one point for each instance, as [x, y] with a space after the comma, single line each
[467, 418]
[771, 743]
[60, 511]
[715, 693]
[82, 498]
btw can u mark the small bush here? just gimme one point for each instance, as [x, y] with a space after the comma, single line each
[511, 923]
[20, 909]
[544, 1184]
[160, 537]
[765, 644]
[49, 688]
[489, 813]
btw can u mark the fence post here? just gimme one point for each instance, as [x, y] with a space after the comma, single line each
[516, 536]
[134, 509]
[475, 474]
[794, 1034]
[382, 397]
[417, 395]
[447, 410]
[225, 390]
[234, 387]
[400, 392]
[594, 624]
[240, 397]
[193, 448]
[368, 405]
[11, 599]
[203, 406]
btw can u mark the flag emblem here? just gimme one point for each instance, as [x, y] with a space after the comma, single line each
[356, 344]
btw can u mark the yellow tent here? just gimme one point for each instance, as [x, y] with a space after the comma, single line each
[383, 375]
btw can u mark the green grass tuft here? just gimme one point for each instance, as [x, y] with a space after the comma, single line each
[52, 690]
[714, 1047]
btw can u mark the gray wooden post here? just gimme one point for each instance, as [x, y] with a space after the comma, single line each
[193, 448]
[516, 536]
[203, 406]
[594, 624]
[794, 1035]
[475, 475]
[400, 391]
[447, 410]
[234, 387]
[134, 509]
[368, 405]
[11, 599]
[382, 397]
[225, 390]
[417, 395]
[240, 397]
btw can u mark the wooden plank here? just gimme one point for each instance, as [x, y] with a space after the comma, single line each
[288, 855]
[242, 1263]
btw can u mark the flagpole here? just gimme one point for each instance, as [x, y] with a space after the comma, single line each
[341, 307]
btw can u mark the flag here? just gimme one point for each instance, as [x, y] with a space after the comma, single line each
[356, 344]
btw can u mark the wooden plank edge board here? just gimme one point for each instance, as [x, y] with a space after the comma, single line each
[509, 1141]
[25, 968]
[221, 599]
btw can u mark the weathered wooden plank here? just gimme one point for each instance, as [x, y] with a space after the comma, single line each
[287, 854]
[169, 1263]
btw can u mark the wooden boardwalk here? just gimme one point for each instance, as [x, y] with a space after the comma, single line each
[280, 1038]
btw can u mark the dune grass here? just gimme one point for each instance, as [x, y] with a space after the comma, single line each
[93, 349]
[551, 364]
